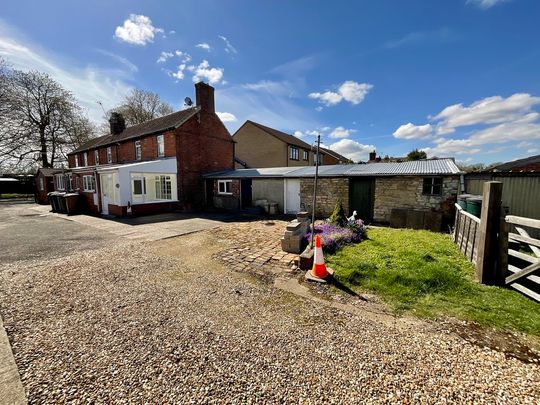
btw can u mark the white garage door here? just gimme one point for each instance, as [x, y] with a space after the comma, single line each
[292, 196]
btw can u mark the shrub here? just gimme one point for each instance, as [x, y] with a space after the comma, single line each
[334, 237]
[338, 216]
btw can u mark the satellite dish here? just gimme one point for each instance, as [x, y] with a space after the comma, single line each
[188, 102]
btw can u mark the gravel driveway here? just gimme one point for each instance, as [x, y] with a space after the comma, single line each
[163, 322]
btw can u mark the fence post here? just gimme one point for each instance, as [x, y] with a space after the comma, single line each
[502, 263]
[488, 244]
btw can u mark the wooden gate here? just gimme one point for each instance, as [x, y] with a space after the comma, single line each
[524, 264]
[465, 233]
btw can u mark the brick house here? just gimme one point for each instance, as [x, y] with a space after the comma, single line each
[417, 194]
[151, 167]
[260, 146]
[45, 183]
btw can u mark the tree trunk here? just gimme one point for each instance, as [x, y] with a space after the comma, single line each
[43, 143]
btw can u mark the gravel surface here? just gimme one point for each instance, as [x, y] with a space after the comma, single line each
[163, 322]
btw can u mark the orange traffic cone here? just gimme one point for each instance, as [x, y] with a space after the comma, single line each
[319, 272]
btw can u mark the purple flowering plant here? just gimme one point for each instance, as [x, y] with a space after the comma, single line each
[333, 237]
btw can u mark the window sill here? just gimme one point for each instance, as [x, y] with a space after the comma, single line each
[225, 193]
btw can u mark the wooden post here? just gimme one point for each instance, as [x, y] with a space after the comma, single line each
[502, 263]
[488, 245]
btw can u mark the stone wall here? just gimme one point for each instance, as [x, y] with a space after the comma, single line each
[406, 192]
[329, 191]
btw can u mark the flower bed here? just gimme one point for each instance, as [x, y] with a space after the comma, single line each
[334, 237]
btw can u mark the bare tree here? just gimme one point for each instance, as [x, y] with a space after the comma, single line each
[140, 106]
[41, 121]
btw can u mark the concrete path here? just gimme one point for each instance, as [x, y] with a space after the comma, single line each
[148, 228]
[11, 388]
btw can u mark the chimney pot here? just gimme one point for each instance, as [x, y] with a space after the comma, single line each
[117, 123]
[205, 97]
[372, 156]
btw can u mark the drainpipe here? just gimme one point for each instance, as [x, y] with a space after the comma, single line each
[462, 182]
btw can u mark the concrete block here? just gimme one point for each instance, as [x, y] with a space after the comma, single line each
[294, 226]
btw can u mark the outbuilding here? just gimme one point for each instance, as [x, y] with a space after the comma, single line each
[397, 193]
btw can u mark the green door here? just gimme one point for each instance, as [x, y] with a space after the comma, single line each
[361, 196]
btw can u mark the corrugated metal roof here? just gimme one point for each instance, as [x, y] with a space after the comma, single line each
[418, 167]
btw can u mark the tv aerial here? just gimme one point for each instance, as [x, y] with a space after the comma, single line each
[188, 102]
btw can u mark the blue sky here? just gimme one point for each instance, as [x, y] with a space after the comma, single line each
[453, 77]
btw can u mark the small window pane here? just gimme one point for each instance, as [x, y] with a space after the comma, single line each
[137, 187]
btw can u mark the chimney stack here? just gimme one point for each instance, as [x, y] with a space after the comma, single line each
[117, 123]
[205, 97]
[372, 156]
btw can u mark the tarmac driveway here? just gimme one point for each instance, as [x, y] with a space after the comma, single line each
[29, 231]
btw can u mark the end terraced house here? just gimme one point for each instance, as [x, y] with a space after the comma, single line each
[152, 167]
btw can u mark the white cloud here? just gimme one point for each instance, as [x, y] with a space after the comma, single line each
[349, 90]
[411, 131]
[204, 45]
[226, 117]
[533, 150]
[204, 71]
[179, 74]
[163, 56]
[340, 132]
[185, 57]
[353, 150]
[120, 59]
[485, 4]
[490, 110]
[299, 134]
[88, 84]
[270, 86]
[228, 46]
[137, 30]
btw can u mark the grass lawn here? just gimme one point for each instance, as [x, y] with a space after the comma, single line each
[424, 273]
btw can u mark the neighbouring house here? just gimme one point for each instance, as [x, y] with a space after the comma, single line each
[373, 158]
[418, 194]
[260, 146]
[521, 186]
[151, 167]
[45, 183]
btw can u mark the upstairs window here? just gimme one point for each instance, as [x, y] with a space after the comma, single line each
[138, 151]
[41, 185]
[306, 155]
[76, 160]
[432, 186]
[293, 153]
[224, 186]
[109, 155]
[160, 146]
[85, 158]
[96, 156]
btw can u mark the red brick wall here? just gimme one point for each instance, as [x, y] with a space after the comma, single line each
[202, 147]
[227, 201]
[48, 186]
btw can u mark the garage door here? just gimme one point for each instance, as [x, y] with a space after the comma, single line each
[361, 196]
[292, 196]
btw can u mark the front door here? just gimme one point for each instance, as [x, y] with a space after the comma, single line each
[292, 196]
[246, 192]
[361, 196]
[107, 192]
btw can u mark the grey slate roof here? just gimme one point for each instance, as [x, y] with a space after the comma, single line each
[154, 126]
[282, 136]
[529, 164]
[414, 168]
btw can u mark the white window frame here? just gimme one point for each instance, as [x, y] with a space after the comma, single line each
[142, 179]
[60, 182]
[76, 160]
[162, 194]
[160, 140]
[294, 153]
[306, 155]
[41, 184]
[89, 183]
[85, 159]
[225, 183]
[109, 155]
[96, 157]
[76, 182]
[138, 150]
